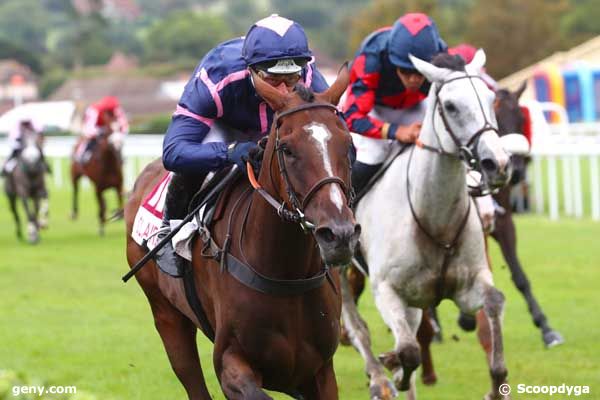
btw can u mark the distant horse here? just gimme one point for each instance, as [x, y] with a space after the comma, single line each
[26, 183]
[104, 168]
[279, 329]
[421, 240]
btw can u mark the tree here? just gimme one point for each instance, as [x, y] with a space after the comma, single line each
[24, 23]
[516, 33]
[184, 34]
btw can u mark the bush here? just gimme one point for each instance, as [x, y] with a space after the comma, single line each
[157, 124]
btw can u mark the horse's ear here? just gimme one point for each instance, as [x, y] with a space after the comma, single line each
[477, 62]
[274, 98]
[335, 92]
[521, 89]
[429, 71]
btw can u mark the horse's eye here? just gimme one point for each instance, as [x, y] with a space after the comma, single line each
[450, 107]
[286, 151]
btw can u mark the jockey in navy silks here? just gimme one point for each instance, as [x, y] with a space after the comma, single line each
[15, 142]
[385, 95]
[220, 117]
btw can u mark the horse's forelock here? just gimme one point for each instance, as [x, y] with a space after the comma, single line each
[448, 61]
[304, 93]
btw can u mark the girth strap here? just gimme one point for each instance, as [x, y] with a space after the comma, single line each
[277, 287]
[189, 286]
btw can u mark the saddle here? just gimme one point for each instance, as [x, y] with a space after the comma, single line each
[397, 148]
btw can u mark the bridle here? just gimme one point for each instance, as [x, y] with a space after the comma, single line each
[296, 214]
[467, 152]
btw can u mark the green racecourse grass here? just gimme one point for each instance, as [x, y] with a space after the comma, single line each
[67, 319]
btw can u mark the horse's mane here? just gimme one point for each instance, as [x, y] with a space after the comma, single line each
[453, 62]
[305, 93]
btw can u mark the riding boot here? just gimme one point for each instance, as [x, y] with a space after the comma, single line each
[179, 193]
[89, 150]
[361, 174]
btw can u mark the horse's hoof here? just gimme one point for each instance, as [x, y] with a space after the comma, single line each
[390, 360]
[73, 216]
[552, 339]
[467, 322]
[429, 379]
[382, 389]
[491, 396]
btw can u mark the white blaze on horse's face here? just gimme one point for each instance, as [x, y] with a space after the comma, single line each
[321, 135]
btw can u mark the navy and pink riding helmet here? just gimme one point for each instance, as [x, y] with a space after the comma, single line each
[277, 44]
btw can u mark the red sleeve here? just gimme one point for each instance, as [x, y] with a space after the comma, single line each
[361, 97]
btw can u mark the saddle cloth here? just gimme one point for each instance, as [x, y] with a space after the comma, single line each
[148, 221]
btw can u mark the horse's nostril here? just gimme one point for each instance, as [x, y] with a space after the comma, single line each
[489, 165]
[325, 234]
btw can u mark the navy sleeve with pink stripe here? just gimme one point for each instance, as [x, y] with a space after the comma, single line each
[183, 150]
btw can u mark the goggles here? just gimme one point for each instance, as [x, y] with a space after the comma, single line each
[275, 80]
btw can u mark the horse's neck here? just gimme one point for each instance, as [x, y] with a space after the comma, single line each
[437, 182]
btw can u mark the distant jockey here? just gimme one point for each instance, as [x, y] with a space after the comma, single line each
[105, 117]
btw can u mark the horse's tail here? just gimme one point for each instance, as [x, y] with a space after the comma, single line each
[117, 215]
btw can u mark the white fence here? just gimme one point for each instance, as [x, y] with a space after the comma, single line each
[560, 184]
[138, 150]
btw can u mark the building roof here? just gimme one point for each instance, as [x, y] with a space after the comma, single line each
[588, 51]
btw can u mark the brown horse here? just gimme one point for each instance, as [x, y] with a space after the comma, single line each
[283, 335]
[104, 168]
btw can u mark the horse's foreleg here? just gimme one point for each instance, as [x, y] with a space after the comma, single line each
[356, 285]
[493, 305]
[75, 204]
[238, 380]
[425, 336]
[323, 386]
[178, 334]
[13, 208]
[32, 223]
[505, 235]
[101, 210]
[404, 323]
[43, 213]
[380, 387]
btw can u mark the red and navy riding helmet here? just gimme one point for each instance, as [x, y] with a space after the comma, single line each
[416, 34]
[276, 38]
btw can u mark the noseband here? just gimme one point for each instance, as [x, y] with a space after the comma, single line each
[296, 214]
[466, 152]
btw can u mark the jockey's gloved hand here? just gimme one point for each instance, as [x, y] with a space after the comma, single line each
[238, 153]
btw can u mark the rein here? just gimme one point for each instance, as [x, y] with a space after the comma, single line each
[241, 270]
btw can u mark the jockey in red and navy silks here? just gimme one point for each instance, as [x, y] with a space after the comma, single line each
[375, 73]
[221, 90]
[220, 116]
[385, 95]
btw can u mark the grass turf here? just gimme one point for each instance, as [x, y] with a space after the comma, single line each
[66, 317]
